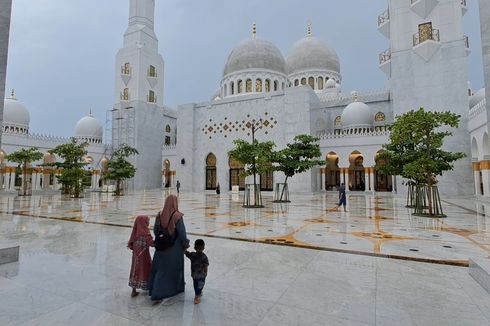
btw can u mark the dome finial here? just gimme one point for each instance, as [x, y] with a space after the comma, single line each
[254, 30]
[309, 33]
[12, 94]
[90, 112]
[355, 96]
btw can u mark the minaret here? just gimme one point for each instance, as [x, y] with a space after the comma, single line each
[137, 117]
[427, 62]
[485, 40]
[4, 39]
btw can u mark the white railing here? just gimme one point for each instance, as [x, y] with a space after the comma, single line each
[49, 138]
[477, 109]
[384, 17]
[332, 135]
[344, 98]
[385, 56]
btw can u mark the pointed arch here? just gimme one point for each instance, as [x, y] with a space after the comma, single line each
[211, 172]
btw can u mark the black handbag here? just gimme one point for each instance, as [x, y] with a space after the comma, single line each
[164, 240]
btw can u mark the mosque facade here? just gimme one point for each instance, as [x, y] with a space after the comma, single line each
[283, 96]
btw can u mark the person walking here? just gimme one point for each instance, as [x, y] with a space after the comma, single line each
[177, 185]
[199, 268]
[342, 198]
[167, 273]
[140, 243]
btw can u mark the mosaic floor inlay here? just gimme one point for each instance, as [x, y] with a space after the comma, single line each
[373, 225]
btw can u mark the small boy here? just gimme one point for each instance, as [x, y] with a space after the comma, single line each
[199, 268]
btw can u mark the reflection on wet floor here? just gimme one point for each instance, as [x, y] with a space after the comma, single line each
[373, 225]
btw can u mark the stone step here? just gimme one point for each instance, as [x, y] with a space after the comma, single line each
[480, 271]
[9, 255]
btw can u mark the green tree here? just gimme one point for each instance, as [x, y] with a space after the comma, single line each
[415, 149]
[119, 168]
[256, 156]
[298, 157]
[25, 157]
[73, 166]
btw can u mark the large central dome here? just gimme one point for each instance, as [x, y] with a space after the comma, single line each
[255, 53]
[311, 53]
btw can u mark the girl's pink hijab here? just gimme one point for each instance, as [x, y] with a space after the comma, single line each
[171, 206]
[140, 228]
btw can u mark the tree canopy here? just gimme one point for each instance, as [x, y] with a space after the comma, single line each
[119, 168]
[25, 156]
[73, 172]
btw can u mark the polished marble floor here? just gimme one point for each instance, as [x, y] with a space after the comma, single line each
[73, 273]
[373, 225]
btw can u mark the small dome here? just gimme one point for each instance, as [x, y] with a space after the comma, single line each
[255, 53]
[311, 53]
[330, 83]
[88, 128]
[15, 113]
[357, 115]
[477, 97]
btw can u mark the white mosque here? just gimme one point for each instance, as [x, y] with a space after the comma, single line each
[301, 93]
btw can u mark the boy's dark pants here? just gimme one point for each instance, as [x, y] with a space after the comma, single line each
[199, 285]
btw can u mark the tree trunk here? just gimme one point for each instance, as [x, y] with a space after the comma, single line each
[284, 188]
[24, 181]
[429, 196]
[118, 188]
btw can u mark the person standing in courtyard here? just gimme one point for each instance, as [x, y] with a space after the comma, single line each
[342, 198]
[140, 243]
[177, 185]
[218, 189]
[167, 274]
[199, 268]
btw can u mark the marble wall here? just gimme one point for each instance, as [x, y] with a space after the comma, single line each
[485, 39]
[5, 11]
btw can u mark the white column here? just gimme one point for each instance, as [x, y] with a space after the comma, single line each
[56, 185]
[371, 179]
[367, 180]
[393, 182]
[476, 177]
[12, 179]
[38, 180]
[346, 179]
[485, 175]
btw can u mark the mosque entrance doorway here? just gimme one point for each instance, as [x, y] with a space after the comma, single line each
[382, 182]
[357, 180]
[211, 172]
[267, 180]
[167, 174]
[236, 174]
[332, 172]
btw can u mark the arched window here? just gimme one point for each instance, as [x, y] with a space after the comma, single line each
[152, 72]
[258, 85]
[168, 129]
[296, 82]
[267, 85]
[240, 86]
[320, 83]
[249, 86]
[380, 117]
[125, 96]
[276, 85]
[210, 172]
[303, 81]
[126, 69]
[151, 97]
[311, 82]
[232, 87]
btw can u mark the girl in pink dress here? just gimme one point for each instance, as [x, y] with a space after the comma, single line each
[140, 243]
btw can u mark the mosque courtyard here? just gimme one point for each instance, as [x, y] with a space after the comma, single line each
[286, 264]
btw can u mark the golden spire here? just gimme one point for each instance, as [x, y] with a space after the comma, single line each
[90, 112]
[254, 30]
[12, 95]
[309, 33]
[355, 96]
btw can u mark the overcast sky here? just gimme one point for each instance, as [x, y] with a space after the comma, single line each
[61, 59]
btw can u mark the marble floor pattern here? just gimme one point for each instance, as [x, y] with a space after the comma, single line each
[76, 274]
[374, 225]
